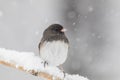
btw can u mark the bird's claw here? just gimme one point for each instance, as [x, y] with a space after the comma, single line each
[45, 63]
[64, 74]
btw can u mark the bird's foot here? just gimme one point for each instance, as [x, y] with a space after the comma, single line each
[61, 68]
[45, 63]
[64, 74]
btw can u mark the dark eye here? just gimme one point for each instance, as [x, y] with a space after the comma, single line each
[55, 29]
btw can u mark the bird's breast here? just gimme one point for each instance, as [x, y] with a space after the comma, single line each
[55, 52]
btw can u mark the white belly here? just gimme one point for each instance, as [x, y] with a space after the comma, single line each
[55, 53]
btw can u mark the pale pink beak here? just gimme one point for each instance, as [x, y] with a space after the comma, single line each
[63, 30]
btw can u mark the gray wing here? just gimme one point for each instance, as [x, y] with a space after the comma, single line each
[40, 44]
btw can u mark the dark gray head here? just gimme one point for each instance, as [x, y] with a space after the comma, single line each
[54, 29]
[54, 32]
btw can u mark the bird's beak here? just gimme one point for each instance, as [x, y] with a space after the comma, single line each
[63, 30]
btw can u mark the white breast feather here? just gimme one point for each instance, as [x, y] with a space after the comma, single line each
[55, 53]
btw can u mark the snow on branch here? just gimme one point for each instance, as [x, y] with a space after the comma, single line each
[28, 62]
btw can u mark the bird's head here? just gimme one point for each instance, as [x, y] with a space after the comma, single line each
[54, 29]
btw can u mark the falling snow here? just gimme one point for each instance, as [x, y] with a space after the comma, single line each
[90, 9]
[97, 20]
[37, 33]
[74, 24]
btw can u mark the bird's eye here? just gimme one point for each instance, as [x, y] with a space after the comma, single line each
[55, 29]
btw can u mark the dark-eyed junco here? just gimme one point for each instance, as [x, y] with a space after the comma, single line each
[54, 45]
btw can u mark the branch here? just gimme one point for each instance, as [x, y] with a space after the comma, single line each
[28, 62]
[39, 74]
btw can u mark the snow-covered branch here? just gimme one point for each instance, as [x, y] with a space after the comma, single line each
[28, 62]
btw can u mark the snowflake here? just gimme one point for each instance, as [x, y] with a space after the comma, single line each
[90, 9]
[74, 24]
[37, 32]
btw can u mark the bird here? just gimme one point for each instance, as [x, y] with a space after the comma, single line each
[53, 47]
